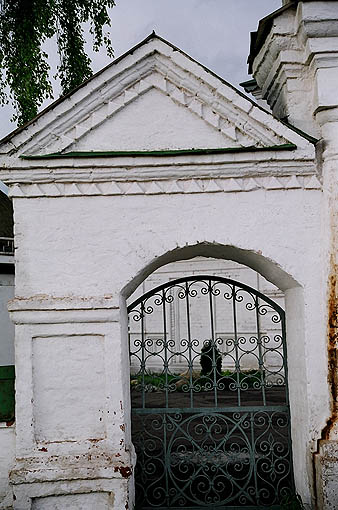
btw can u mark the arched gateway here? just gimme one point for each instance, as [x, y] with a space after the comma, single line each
[152, 157]
[210, 411]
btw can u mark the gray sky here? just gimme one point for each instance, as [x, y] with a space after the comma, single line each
[214, 32]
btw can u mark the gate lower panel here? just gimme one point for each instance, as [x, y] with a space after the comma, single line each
[223, 459]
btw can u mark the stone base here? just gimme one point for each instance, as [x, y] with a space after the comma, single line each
[72, 495]
[326, 464]
[67, 483]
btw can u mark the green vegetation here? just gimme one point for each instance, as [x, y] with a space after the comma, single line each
[293, 502]
[177, 382]
[24, 26]
[7, 393]
[153, 380]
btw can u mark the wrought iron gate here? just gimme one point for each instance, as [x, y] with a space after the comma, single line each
[210, 412]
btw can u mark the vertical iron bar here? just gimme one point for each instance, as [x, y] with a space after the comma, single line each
[190, 367]
[237, 364]
[252, 428]
[213, 343]
[166, 395]
[165, 366]
[260, 354]
[166, 470]
[143, 365]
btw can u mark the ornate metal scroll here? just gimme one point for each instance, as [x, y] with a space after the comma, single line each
[210, 413]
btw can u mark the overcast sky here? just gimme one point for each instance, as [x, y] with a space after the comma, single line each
[214, 32]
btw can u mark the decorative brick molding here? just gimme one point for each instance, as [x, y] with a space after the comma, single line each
[159, 187]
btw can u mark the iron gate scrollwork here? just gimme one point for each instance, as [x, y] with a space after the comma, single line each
[209, 393]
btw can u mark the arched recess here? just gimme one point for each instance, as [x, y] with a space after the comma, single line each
[295, 335]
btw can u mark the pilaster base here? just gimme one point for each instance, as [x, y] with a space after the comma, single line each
[326, 463]
[72, 483]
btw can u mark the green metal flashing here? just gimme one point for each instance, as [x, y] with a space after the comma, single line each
[7, 393]
[180, 152]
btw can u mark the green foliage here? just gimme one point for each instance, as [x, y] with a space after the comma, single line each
[7, 393]
[153, 381]
[24, 26]
[293, 502]
[210, 358]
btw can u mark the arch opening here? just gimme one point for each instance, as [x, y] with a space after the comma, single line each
[287, 291]
[256, 261]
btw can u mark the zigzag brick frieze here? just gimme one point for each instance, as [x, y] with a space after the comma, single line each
[161, 187]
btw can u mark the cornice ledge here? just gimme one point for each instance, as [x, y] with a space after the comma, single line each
[297, 150]
[50, 309]
[42, 309]
[46, 302]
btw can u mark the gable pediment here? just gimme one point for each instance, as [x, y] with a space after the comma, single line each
[154, 98]
[153, 121]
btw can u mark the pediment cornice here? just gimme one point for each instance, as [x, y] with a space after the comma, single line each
[154, 65]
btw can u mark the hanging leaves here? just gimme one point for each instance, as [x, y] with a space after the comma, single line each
[24, 26]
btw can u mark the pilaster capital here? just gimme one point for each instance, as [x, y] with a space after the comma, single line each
[42, 309]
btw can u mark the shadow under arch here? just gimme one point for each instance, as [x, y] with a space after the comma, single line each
[295, 332]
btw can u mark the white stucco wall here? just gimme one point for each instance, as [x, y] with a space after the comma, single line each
[137, 229]
[107, 241]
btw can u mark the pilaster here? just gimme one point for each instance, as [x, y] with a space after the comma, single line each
[73, 446]
[296, 67]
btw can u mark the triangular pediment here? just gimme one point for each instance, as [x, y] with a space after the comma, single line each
[153, 121]
[153, 98]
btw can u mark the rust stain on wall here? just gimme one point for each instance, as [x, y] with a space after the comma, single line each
[332, 349]
[124, 470]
